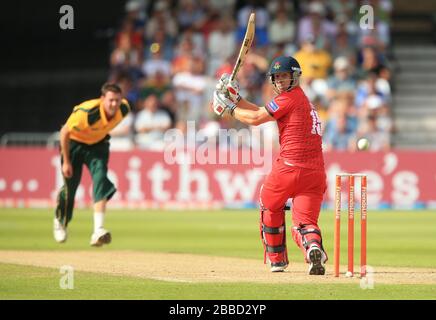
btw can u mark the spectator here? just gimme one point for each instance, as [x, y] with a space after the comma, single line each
[341, 80]
[371, 62]
[276, 6]
[156, 64]
[122, 135]
[190, 86]
[221, 44]
[281, 30]
[190, 15]
[128, 30]
[344, 44]
[225, 67]
[197, 39]
[227, 6]
[161, 19]
[315, 63]
[127, 85]
[211, 24]
[383, 83]
[262, 22]
[342, 124]
[340, 134]
[162, 42]
[135, 12]
[151, 124]
[344, 8]
[156, 84]
[379, 140]
[125, 55]
[252, 76]
[375, 106]
[367, 89]
[183, 56]
[316, 24]
[169, 105]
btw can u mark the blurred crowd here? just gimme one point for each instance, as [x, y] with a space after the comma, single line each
[168, 55]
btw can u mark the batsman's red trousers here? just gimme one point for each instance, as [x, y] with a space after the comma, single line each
[306, 187]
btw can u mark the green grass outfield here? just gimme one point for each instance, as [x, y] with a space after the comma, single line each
[395, 238]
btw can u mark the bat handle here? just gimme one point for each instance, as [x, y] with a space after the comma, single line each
[232, 76]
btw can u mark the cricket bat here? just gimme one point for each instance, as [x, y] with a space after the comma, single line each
[246, 44]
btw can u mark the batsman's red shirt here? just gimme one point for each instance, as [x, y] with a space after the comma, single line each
[299, 129]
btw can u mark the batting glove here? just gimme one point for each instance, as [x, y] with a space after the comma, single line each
[230, 88]
[222, 104]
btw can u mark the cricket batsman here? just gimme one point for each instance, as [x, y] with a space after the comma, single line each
[298, 171]
[84, 140]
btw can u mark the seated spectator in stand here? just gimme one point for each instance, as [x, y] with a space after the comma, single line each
[128, 87]
[128, 30]
[339, 134]
[369, 88]
[184, 53]
[383, 83]
[342, 123]
[262, 22]
[156, 84]
[161, 19]
[223, 5]
[189, 88]
[126, 58]
[379, 140]
[211, 23]
[156, 64]
[281, 29]
[121, 135]
[375, 106]
[276, 6]
[344, 45]
[151, 124]
[370, 61]
[168, 104]
[190, 14]
[197, 40]
[341, 80]
[315, 63]
[160, 41]
[225, 67]
[374, 64]
[221, 44]
[316, 24]
[342, 7]
[135, 12]
[252, 76]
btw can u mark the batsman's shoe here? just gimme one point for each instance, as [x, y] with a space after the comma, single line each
[100, 237]
[278, 266]
[59, 231]
[316, 258]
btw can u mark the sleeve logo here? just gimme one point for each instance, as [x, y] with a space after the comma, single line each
[273, 106]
